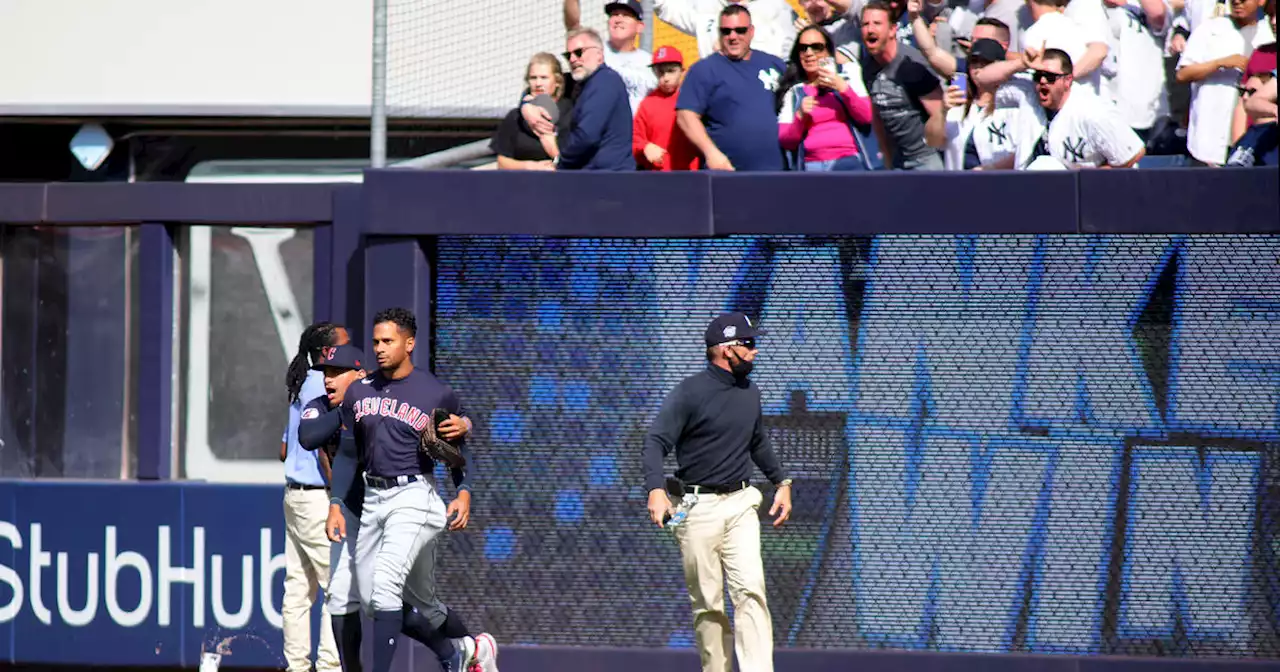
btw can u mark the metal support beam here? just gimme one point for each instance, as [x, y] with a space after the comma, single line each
[155, 350]
[448, 157]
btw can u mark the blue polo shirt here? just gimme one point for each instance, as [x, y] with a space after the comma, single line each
[302, 465]
[736, 100]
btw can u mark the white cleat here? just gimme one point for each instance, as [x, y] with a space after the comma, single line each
[486, 659]
[464, 659]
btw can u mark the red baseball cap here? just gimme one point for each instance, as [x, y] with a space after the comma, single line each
[667, 55]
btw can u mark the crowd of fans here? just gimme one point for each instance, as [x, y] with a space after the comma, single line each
[905, 85]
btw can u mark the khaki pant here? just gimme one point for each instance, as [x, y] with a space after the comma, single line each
[306, 552]
[719, 541]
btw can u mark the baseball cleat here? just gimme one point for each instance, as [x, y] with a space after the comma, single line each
[464, 656]
[486, 654]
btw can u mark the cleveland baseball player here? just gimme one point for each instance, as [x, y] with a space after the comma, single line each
[401, 515]
[322, 427]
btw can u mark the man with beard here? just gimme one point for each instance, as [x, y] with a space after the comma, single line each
[906, 98]
[713, 422]
[1085, 131]
[600, 133]
[626, 22]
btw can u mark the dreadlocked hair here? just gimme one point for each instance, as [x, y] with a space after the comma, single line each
[314, 338]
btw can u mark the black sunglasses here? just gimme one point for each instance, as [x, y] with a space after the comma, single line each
[815, 47]
[1246, 91]
[577, 53]
[748, 343]
[1050, 77]
[741, 30]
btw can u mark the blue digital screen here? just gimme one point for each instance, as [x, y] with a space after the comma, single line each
[1051, 444]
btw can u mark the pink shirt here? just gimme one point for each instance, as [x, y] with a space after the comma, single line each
[825, 132]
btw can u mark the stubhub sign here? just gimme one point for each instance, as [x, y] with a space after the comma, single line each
[141, 574]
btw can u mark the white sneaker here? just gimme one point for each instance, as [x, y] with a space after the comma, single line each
[486, 654]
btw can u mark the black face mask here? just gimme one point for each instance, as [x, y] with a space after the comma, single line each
[741, 368]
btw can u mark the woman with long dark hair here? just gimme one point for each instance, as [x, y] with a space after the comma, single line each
[306, 507]
[820, 107]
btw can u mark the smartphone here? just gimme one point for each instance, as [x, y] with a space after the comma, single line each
[960, 80]
[827, 63]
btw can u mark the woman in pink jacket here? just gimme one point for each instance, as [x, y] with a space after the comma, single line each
[820, 107]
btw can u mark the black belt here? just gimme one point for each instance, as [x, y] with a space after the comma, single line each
[717, 489]
[392, 482]
[302, 486]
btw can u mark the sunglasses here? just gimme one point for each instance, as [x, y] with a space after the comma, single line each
[1246, 90]
[748, 343]
[741, 30]
[1050, 77]
[577, 53]
[815, 47]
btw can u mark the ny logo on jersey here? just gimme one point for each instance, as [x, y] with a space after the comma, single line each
[769, 78]
[997, 134]
[1075, 148]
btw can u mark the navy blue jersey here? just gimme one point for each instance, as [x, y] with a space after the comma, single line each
[390, 414]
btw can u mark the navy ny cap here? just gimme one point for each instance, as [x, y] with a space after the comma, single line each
[732, 327]
[340, 357]
[631, 5]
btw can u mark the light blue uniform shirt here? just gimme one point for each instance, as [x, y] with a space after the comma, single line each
[302, 465]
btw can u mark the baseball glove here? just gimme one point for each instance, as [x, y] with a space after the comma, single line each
[432, 444]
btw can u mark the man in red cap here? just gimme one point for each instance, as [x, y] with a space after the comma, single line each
[656, 141]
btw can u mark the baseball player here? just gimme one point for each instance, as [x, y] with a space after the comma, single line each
[322, 427]
[400, 514]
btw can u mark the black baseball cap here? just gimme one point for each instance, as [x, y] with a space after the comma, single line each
[340, 357]
[732, 327]
[632, 6]
[987, 50]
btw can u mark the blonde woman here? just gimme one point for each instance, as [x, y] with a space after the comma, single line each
[518, 147]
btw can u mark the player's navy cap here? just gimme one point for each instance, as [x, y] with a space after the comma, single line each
[732, 327]
[340, 357]
[631, 5]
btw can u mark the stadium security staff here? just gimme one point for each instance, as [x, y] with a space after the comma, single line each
[306, 507]
[713, 421]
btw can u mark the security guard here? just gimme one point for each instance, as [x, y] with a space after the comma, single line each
[713, 421]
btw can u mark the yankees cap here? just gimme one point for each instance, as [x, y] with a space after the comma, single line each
[732, 327]
[340, 357]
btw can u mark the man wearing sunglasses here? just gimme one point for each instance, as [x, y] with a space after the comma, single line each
[1085, 131]
[726, 106]
[600, 131]
[626, 23]
[713, 422]
[698, 18]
